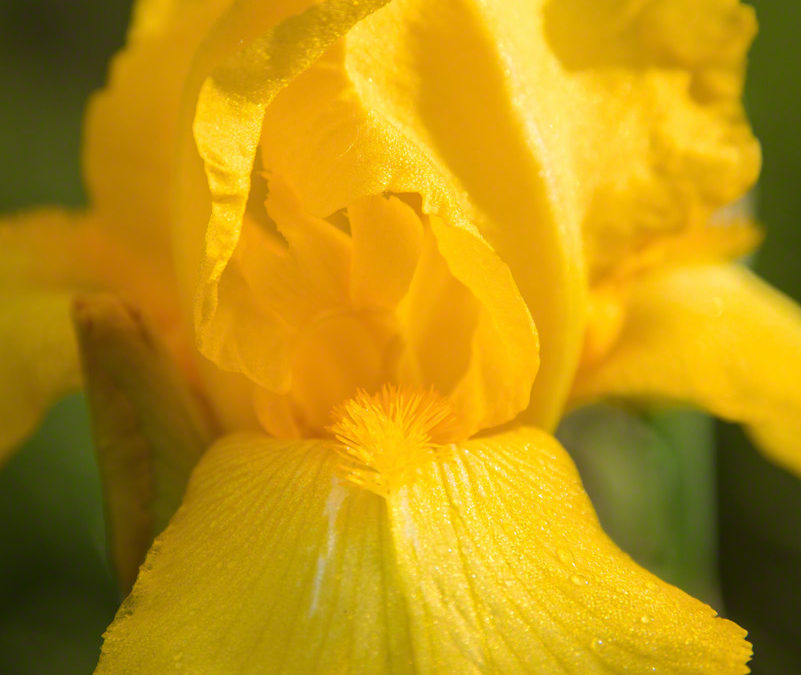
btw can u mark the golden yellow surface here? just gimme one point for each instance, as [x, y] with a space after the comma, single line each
[489, 560]
[497, 205]
[714, 336]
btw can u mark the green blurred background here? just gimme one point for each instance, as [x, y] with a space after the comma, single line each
[56, 591]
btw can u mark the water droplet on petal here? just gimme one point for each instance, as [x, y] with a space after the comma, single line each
[579, 580]
[565, 556]
[646, 618]
[596, 644]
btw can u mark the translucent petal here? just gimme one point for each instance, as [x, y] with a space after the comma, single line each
[436, 314]
[714, 336]
[505, 350]
[490, 560]
[227, 126]
[228, 123]
[387, 241]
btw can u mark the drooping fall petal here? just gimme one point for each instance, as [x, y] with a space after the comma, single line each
[45, 256]
[714, 336]
[270, 565]
[489, 558]
[40, 363]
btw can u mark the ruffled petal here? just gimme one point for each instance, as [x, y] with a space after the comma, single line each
[489, 560]
[714, 336]
[656, 91]
[417, 99]
[504, 104]
[230, 122]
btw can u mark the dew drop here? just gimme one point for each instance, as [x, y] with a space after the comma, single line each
[646, 618]
[579, 580]
[596, 644]
[566, 557]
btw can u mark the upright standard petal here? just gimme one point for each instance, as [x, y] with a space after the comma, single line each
[228, 121]
[622, 94]
[714, 336]
[395, 107]
[233, 116]
[486, 558]
[656, 92]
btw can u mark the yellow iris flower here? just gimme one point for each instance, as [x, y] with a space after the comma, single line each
[389, 243]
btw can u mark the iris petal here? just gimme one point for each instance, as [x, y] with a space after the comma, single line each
[130, 147]
[395, 107]
[714, 336]
[489, 559]
[40, 362]
[227, 128]
[231, 120]
[45, 257]
[269, 566]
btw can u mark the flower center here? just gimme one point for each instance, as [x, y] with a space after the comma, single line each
[385, 437]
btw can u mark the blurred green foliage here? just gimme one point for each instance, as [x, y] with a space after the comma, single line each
[760, 505]
[651, 478]
[56, 592]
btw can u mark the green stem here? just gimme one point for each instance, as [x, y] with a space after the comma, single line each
[651, 478]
